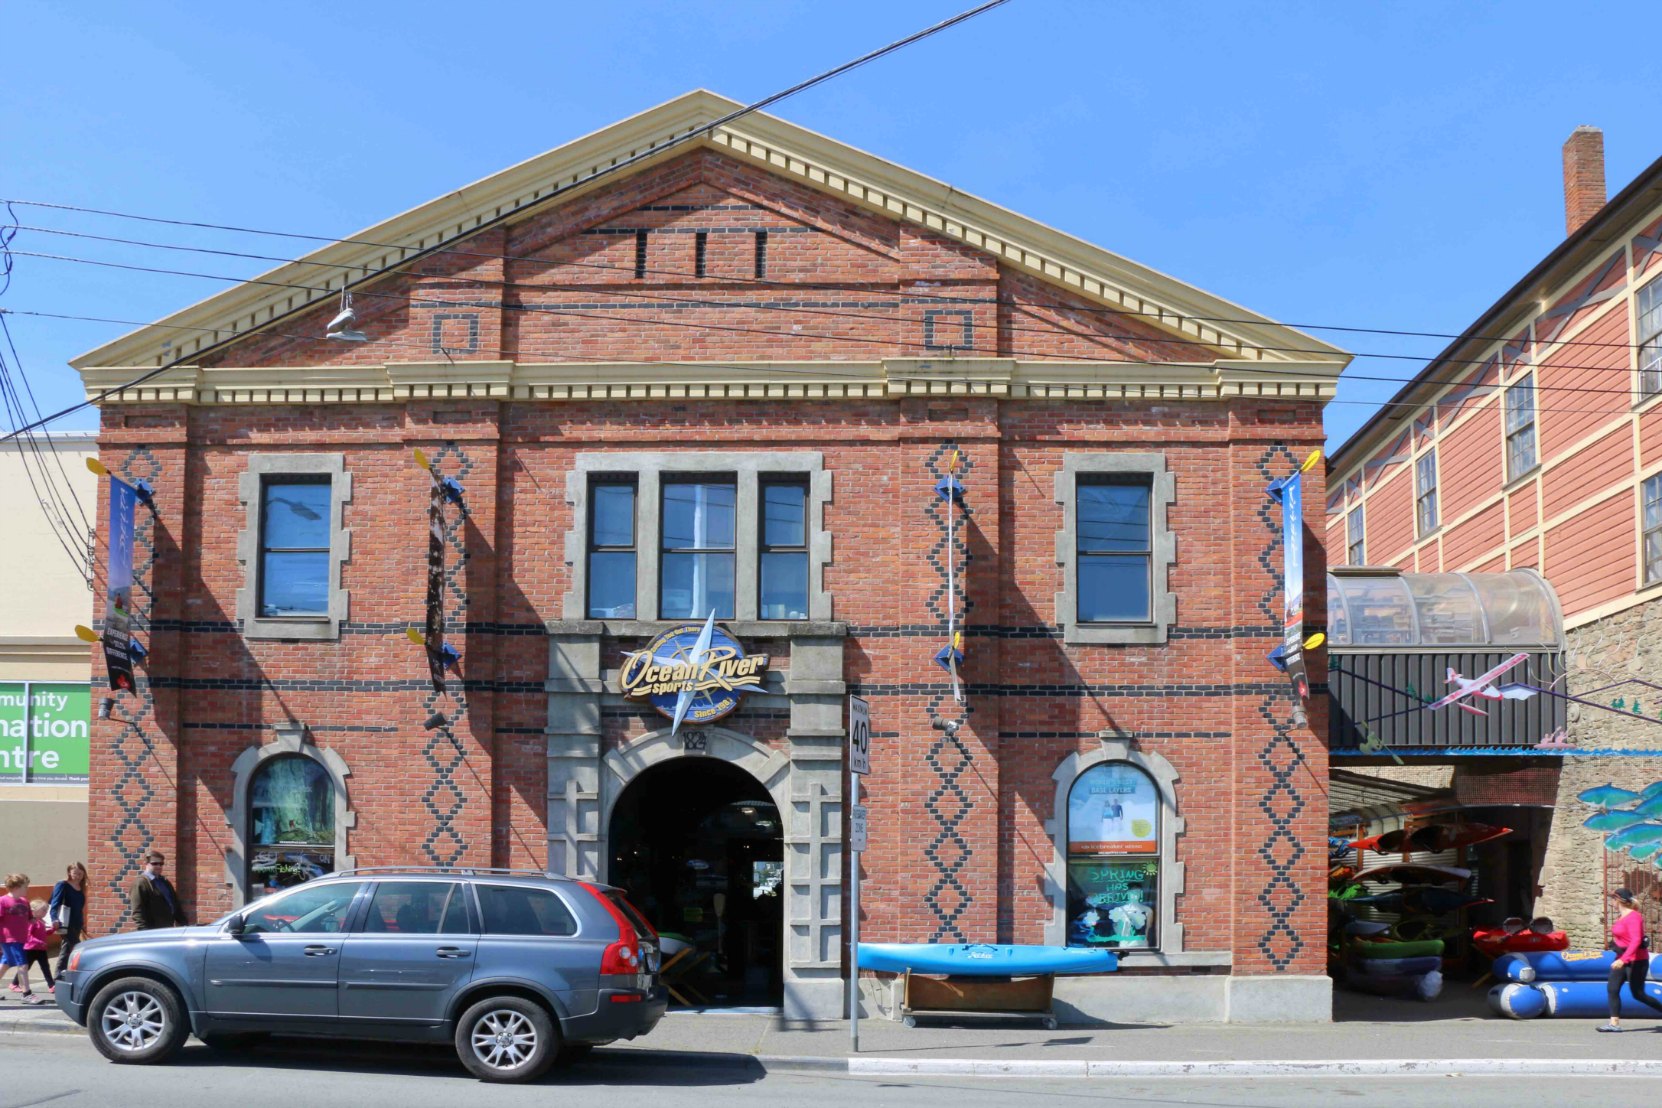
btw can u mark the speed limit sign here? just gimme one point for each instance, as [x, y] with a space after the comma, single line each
[859, 736]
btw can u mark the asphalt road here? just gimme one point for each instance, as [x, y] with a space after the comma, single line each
[64, 1072]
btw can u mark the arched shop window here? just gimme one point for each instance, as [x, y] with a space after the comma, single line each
[1113, 858]
[291, 823]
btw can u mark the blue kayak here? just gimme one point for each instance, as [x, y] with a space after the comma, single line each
[984, 959]
[1560, 965]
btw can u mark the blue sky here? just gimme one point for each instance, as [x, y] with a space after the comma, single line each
[1370, 165]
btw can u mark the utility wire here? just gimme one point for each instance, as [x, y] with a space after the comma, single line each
[651, 152]
[939, 349]
[1394, 332]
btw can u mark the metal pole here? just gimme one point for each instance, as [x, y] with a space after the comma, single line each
[853, 919]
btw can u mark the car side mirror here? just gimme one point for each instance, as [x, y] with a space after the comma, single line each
[235, 925]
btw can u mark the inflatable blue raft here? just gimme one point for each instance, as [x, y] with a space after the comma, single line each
[984, 959]
[1561, 965]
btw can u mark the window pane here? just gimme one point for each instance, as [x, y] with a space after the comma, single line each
[310, 909]
[783, 515]
[409, 907]
[1113, 588]
[614, 515]
[295, 584]
[698, 515]
[1113, 808]
[296, 515]
[512, 910]
[1113, 517]
[693, 584]
[1113, 903]
[785, 586]
[1653, 502]
[612, 584]
[1653, 556]
[292, 802]
[455, 921]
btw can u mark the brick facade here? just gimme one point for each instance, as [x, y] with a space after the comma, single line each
[960, 843]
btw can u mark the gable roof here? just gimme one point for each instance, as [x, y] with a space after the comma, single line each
[756, 139]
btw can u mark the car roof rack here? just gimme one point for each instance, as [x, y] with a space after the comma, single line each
[457, 870]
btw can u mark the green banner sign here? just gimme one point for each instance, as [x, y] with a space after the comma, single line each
[45, 729]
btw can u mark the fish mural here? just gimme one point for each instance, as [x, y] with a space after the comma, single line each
[1649, 809]
[1612, 821]
[1637, 835]
[1607, 796]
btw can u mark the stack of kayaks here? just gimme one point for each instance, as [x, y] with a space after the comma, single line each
[1568, 983]
[1390, 968]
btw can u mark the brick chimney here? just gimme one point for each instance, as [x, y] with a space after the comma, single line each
[1583, 177]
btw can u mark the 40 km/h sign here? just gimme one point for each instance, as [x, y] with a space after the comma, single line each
[859, 736]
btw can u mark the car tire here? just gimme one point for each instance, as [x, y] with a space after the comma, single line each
[573, 1052]
[507, 1039]
[137, 1021]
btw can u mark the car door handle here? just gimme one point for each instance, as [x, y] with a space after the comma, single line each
[319, 951]
[451, 952]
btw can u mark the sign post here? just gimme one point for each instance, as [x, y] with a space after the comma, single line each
[859, 764]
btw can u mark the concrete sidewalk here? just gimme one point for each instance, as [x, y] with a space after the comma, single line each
[1369, 1036]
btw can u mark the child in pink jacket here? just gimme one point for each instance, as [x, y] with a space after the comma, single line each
[34, 950]
[14, 929]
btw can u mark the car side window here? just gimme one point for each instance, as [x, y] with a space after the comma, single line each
[309, 909]
[417, 908]
[518, 910]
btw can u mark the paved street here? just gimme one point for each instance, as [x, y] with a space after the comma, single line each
[65, 1072]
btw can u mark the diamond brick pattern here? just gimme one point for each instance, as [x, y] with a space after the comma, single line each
[443, 799]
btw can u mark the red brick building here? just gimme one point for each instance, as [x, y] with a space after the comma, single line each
[730, 378]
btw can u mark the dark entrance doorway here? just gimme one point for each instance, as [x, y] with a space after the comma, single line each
[699, 846]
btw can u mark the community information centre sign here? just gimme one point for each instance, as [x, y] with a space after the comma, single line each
[45, 729]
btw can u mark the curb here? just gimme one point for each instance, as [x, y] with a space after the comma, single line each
[39, 1024]
[1381, 1067]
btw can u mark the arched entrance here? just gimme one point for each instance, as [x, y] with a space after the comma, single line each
[699, 845]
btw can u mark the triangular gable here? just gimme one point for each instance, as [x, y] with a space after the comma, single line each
[1096, 275]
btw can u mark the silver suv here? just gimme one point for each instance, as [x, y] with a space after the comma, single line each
[517, 969]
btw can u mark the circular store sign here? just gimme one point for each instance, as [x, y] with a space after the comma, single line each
[692, 674]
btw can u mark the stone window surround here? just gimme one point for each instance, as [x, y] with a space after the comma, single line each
[1162, 544]
[291, 740]
[250, 491]
[748, 467]
[1117, 747]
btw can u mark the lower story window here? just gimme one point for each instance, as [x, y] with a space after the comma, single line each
[1113, 858]
[292, 816]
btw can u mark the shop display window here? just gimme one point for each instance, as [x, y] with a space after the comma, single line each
[1113, 858]
[292, 824]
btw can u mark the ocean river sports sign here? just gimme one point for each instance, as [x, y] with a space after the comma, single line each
[692, 673]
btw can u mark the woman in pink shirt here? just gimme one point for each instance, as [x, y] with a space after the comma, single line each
[1632, 964]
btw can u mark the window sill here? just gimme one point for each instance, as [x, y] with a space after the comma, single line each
[1522, 479]
[303, 628]
[1646, 403]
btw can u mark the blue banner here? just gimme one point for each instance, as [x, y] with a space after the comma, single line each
[1292, 582]
[118, 603]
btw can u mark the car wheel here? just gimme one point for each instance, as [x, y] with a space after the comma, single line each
[506, 1038]
[573, 1052]
[136, 1020]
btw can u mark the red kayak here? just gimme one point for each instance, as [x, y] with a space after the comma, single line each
[1431, 838]
[1492, 942]
[1412, 873]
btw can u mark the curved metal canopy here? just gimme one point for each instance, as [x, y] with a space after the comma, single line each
[1374, 608]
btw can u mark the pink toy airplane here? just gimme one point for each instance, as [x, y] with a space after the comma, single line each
[1478, 686]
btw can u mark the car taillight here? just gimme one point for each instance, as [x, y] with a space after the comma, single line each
[624, 955]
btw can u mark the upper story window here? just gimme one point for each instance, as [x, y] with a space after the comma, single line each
[698, 563]
[1115, 550]
[1649, 330]
[294, 548]
[1425, 492]
[676, 535]
[1651, 493]
[784, 550]
[293, 545]
[611, 556]
[1520, 427]
[1356, 545]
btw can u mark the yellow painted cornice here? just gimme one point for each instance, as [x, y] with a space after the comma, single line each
[895, 377]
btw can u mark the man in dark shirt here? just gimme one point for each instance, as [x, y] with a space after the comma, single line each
[153, 901]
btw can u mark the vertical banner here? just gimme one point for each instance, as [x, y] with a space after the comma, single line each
[435, 581]
[1292, 583]
[118, 603]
